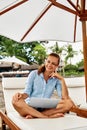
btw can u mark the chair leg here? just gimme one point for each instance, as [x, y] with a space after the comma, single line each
[3, 125]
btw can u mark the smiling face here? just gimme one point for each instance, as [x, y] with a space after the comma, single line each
[51, 63]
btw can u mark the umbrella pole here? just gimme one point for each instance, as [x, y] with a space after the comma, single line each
[85, 52]
[83, 19]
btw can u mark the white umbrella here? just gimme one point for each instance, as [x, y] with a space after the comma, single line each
[45, 20]
[42, 18]
[13, 60]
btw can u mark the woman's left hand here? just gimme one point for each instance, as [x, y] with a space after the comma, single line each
[65, 105]
[56, 75]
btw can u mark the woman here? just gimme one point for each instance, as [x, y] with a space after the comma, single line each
[42, 83]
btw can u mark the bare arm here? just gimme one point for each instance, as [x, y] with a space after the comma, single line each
[65, 94]
[65, 103]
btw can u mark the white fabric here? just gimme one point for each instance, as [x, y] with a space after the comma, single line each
[75, 82]
[13, 60]
[56, 24]
[68, 122]
[8, 94]
[78, 95]
[14, 82]
[76, 88]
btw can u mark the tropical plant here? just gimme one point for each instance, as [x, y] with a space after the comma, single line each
[39, 54]
[27, 52]
[69, 53]
[57, 49]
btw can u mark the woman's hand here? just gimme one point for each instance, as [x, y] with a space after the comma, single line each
[56, 75]
[65, 105]
[17, 96]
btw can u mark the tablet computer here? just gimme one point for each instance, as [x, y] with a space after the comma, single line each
[43, 102]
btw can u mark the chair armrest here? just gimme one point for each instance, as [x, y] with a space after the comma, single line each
[79, 111]
[7, 121]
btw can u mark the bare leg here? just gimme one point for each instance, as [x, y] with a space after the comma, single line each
[56, 115]
[25, 109]
[63, 107]
[51, 112]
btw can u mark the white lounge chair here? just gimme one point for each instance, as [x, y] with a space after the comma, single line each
[16, 122]
[76, 88]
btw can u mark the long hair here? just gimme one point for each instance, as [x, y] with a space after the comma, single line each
[41, 69]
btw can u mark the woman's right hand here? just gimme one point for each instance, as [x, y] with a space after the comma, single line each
[17, 96]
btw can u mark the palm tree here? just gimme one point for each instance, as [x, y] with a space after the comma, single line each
[69, 53]
[57, 49]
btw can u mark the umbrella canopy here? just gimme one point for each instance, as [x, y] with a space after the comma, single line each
[39, 20]
[32, 20]
[13, 60]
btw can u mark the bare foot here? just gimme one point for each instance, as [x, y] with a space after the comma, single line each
[56, 115]
[28, 117]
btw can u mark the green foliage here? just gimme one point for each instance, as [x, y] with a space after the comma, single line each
[39, 54]
[74, 73]
[69, 53]
[57, 49]
[80, 64]
[27, 52]
[71, 67]
[36, 52]
[72, 70]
